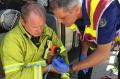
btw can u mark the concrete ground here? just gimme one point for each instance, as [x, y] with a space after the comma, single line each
[103, 68]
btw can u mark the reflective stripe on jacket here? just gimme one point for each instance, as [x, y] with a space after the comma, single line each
[35, 65]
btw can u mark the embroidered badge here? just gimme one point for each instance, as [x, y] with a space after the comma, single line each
[102, 22]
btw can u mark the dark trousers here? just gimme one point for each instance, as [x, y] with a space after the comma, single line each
[118, 65]
[52, 75]
[81, 75]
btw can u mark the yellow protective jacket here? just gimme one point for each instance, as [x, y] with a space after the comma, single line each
[21, 59]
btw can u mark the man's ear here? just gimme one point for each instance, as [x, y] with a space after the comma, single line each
[22, 21]
[77, 9]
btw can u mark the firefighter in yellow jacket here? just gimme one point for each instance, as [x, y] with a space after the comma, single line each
[23, 47]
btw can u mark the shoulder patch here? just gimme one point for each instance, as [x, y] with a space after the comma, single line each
[102, 22]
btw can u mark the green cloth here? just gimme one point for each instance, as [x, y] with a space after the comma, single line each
[17, 47]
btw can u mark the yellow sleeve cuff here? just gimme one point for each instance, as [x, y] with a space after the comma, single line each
[65, 76]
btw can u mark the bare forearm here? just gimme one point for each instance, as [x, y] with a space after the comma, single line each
[99, 55]
[84, 47]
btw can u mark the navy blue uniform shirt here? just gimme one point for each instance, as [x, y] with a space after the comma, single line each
[107, 25]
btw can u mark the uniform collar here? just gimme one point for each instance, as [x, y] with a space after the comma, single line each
[24, 31]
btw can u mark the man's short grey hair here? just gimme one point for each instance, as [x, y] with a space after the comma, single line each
[33, 6]
[65, 4]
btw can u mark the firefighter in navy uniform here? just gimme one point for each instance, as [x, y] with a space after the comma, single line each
[99, 18]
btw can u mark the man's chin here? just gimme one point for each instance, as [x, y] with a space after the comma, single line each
[36, 35]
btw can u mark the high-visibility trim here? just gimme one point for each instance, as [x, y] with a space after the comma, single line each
[65, 75]
[47, 51]
[62, 49]
[90, 34]
[42, 62]
[93, 6]
[37, 68]
[16, 68]
[37, 72]
[40, 72]
[92, 48]
[91, 10]
[90, 31]
[95, 9]
[117, 36]
[12, 67]
[116, 42]
[74, 27]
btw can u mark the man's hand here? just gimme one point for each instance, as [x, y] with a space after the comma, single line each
[59, 65]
